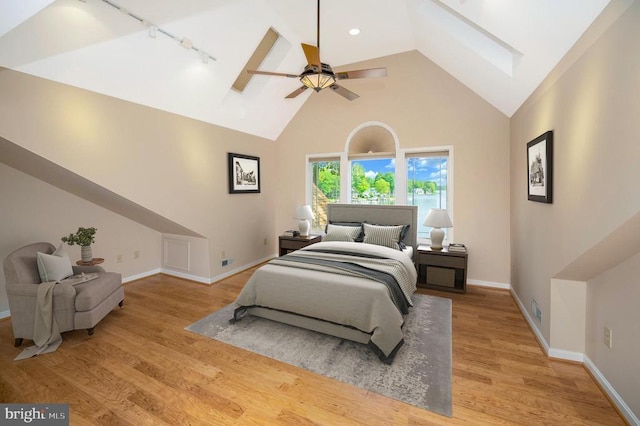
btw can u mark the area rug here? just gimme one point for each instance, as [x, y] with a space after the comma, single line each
[420, 374]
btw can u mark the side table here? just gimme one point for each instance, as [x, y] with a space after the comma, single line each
[287, 243]
[92, 262]
[442, 269]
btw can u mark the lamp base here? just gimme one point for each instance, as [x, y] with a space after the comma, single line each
[437, 235]
[304, 227]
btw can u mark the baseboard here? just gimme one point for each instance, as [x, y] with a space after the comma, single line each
[489, 284]
[189, 277]
[532, 325]
[217, 278]
[566, 355]
[615, 398]
[140, 276]
[240, 269]
[5, 314]
[549, 351]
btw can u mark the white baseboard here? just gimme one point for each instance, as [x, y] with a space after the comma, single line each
[536, 331]
[5, 314]
[205, 280]
[140, 276]
[490, 284]
[198, 279]
[611, 393]
[240, 269]
[566, 355]
[582, 358]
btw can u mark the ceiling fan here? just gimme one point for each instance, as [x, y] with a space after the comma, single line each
[319, 76]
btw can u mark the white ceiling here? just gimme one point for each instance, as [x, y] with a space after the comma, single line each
[500, 49]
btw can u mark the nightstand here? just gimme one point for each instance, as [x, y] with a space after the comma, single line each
[288, 243]
[442, 269]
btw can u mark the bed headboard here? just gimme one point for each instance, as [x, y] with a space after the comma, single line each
[379, 215]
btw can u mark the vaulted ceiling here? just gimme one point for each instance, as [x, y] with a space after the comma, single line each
[500, 49]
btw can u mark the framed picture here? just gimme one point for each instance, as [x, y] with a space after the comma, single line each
[540, 168]
[244, 174]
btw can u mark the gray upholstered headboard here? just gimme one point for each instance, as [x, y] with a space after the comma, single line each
[379, 215]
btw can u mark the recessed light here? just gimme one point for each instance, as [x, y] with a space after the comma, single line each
[354, 31]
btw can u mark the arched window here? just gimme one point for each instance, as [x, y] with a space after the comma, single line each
[373, 169]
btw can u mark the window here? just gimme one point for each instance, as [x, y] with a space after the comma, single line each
[373, 181]
[415, 176]
[427, 175]
[325, 189]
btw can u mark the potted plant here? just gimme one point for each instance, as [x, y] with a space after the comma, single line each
[84, 237]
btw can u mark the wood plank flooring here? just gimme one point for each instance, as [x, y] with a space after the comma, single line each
[141, 367]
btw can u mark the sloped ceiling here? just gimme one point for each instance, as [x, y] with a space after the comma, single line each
[500, 49]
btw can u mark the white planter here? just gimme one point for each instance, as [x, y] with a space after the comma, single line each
[85, 254]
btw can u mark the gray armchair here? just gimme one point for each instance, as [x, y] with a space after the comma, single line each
[76, 307]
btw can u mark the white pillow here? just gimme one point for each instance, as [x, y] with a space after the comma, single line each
[54, 267]
[341, 233]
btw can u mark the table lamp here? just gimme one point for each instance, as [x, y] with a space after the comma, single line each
[304, 214]
[437, 219]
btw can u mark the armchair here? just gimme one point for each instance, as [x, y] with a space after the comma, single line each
[75, 307]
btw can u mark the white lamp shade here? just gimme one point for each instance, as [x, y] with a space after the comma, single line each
[437, 219]
[304, 214]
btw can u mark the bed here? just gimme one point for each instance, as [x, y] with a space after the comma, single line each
[353, 290]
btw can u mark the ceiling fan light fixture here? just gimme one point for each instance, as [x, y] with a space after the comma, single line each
[317, 78]
[317, 81]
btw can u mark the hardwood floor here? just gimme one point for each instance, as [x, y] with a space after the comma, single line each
[141, 367]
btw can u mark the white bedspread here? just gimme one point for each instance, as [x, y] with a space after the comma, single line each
[347, 300]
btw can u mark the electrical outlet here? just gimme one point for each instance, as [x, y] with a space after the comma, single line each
[119, 258]
[225, 262]
[608, 337]
[136, 254]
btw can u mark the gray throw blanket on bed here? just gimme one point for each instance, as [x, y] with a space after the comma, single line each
[386, 271]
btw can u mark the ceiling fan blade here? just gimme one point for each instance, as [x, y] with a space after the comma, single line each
[369, 73]
[313, 55]
[273, 73]
[296, 92]
[346, 93]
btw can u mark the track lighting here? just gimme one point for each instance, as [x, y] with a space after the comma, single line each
[154, 29]
[186, 43]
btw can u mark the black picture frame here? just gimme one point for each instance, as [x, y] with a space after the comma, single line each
[244, 174]
[540, 168]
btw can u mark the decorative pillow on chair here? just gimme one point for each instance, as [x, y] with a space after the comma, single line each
[341, 233]
[387, 236]
[54, 267]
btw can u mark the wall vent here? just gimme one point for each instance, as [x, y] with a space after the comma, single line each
[535, 310]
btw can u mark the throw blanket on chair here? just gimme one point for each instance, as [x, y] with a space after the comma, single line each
[46, 334]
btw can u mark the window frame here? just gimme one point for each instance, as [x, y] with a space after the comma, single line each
[429, 152]
[401, 156]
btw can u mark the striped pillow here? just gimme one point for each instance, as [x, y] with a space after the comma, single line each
[387, 236]
[360, 237]
[341, 233]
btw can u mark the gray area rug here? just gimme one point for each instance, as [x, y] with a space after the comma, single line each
[420, 374]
